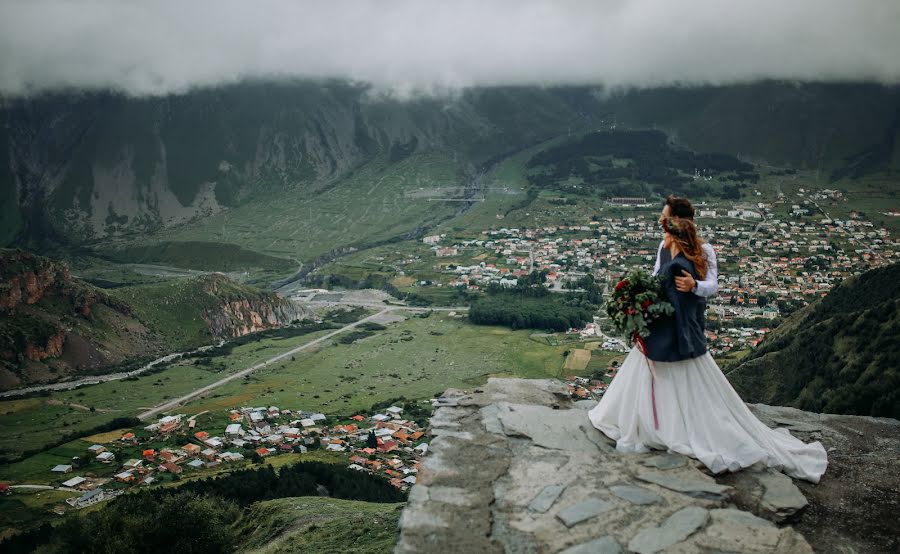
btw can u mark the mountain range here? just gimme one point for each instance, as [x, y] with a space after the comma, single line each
[76, 168]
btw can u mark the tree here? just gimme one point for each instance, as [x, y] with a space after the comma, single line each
[371, 440]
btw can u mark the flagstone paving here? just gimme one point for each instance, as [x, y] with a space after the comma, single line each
[515, 466]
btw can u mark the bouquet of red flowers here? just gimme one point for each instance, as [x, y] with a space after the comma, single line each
[636, 301]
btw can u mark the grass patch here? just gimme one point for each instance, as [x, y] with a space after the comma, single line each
[200, 255]
[378, 201]
[312, 524]
[416, 358]
[577, 359]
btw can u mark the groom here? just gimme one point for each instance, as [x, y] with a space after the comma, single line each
[681, 207]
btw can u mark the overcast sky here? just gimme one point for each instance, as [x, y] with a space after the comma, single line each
[157, 47]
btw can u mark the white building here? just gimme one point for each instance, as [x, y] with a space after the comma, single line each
[74, 482]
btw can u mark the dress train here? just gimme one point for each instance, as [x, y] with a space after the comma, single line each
[700, 415]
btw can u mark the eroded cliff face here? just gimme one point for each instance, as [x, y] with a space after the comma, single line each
[252, 313]
[53, 348]
[50, 321]
[25, 279]
[516, 466]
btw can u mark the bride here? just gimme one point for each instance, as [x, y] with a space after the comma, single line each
[676, 398]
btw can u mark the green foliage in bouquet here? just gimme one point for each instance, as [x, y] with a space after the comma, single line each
[636, 301]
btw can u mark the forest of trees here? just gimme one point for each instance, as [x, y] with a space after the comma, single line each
[197, 517]
[529, 305]
[652, 164]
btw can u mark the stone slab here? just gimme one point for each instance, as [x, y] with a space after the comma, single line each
[635, 495]
[781, 498]
[690, 487]
[675, 529]
[549, 428]
[665, 461]
[545, 499]
[603, 545]
[583, 511]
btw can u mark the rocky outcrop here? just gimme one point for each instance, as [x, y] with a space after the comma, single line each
[53, 324]
[516, 466]
[247, 313]
[26, 278]
[53, 348]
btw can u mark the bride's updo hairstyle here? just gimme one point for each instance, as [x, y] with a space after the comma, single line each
[684, 233]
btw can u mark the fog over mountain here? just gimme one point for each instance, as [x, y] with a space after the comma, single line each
[406, 46]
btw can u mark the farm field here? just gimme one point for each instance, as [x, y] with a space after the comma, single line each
[417, 359]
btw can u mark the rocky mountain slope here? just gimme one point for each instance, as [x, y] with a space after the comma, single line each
[839, 355]
[79, 167]
[516, 466]
[53, 325]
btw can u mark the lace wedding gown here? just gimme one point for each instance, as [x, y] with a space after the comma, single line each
[699, 415]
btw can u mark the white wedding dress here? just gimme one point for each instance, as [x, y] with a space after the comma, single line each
[699, 415]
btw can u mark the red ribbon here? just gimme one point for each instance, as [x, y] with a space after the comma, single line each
[643, 347]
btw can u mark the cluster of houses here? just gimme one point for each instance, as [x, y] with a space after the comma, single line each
[587, 388]
[272, 430]
[388, 445]
[384, 444]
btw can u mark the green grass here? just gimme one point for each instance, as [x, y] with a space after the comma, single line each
[206, 256]
[313, 524]
[376, 202]
[416, 358]
[26, 509]
[176, 308]
[173, 308]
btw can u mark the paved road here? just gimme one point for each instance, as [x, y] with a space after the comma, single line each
[203, 390]
[326, 303]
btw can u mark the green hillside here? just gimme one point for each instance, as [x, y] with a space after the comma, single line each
[839, 355]
[186, 311]
[318, 524]
[53, 325]
[205, 256]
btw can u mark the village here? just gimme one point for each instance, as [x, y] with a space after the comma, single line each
[384, 444]
[769, 264]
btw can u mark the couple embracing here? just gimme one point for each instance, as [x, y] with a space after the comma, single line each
[685, 404]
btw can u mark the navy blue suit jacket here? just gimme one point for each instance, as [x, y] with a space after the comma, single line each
[678, 336]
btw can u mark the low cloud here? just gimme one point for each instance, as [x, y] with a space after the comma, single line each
[160, 47]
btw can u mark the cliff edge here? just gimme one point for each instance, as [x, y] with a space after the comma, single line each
[516, 466]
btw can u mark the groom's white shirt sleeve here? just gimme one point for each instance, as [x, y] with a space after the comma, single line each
[658, 250]
[708, 286]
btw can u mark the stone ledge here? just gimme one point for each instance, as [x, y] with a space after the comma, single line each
[516, 466]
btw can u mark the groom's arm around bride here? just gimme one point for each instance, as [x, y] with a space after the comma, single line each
[706, 287]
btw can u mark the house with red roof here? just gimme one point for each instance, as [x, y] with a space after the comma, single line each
[387, 446]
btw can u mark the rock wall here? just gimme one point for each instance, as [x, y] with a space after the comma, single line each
[25, 279]
[516, 466]
[53, 348]
[53, 324]
[250, 313]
